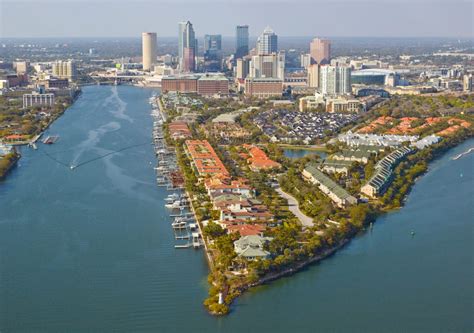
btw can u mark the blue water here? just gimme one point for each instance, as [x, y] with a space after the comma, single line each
[91, 249]
[299, 153]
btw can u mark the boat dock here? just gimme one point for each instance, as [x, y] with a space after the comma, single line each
[168, 175]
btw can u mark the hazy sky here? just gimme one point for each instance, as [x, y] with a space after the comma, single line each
[97, 18]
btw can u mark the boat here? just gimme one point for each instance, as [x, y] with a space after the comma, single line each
[51, 139]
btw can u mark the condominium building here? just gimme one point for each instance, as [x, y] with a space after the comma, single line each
[329, 187]
[149, 50]
[305, 60]
[267, 42]
[313, 76]
[467, 82]
[335, 80]
[241, 41]
[64, 69]
[383, 175]
[242, 68]
[320, 50]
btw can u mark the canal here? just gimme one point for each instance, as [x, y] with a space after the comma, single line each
[91, 249]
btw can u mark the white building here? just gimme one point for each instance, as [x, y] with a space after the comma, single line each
[268, 66]
[305, 60]
[267, 42]
[335, 80]
[64, 69]
[149, 49]
[37, 99]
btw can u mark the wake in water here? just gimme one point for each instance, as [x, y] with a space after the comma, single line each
[75, 166]
[463, 154]
[93, 138]
[117, 105]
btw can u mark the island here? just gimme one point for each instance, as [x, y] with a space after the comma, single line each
[263, 215]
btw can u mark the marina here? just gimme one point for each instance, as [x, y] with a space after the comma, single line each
[168, 175]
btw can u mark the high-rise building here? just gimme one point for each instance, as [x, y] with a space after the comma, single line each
[186, 40]
[467, 82]
[313, 76]
[335, 80]
[242, 68]
[320, 50]
[64, 69]
[148, 50]
[241, 41]
[268, 66]
[188, 61]
[212, 53]
[305, 60]
[21, 66]
[212, 43]
[267, 42]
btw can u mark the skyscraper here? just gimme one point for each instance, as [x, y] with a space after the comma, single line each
[148, 50]
[241, 41]
[335, 80]
[212, 43]
[313, 76]
[267, 43]
[320, 50]
[186, 39]
[212, 53]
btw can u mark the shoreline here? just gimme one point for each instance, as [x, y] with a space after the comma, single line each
[298, 266]
[36, 137]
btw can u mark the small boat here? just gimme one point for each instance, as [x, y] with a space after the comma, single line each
[51, 139]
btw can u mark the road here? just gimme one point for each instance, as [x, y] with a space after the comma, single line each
[293, 206]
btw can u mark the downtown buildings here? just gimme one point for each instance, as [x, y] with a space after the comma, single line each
[266, 70]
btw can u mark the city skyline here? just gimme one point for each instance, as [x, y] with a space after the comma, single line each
[358, 18]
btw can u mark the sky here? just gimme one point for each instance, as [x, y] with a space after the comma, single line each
[345, 18]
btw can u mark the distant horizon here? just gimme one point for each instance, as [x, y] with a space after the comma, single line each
[126, 18]
[252, 37]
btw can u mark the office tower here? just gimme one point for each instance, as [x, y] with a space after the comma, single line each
[267, 42]
[313, 76]
[335, 80]
[268, 66]
[467, 82]
[212, 53]
[186, 40]
[320, 50]
[241, 41]
[242, 68]
[148, 50]
[64, 69]
[212, 43]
